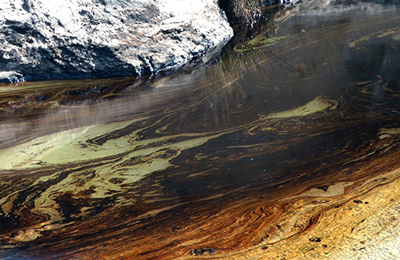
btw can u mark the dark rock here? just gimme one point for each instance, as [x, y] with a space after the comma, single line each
[315, 239]
[250, 11]
[201, 251]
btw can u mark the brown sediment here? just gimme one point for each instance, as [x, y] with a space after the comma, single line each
[234, 161]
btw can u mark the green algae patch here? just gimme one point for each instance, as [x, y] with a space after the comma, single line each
[257, 42]
[319, 104]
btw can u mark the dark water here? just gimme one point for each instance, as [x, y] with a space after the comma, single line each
[156, 168]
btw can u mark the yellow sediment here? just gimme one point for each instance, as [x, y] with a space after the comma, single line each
[317, 105]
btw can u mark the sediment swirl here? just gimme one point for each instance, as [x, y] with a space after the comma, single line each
[277, 151]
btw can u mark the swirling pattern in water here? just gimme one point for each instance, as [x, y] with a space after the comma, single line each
[283, 150]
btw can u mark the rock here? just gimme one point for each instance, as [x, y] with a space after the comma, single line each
[47, 39]
[250, 11]
[11, 77]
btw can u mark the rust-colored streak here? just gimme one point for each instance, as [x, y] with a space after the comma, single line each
[243, 159]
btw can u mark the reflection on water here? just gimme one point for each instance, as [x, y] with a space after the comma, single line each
[255, 151]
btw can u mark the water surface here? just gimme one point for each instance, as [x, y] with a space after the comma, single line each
[253, 154]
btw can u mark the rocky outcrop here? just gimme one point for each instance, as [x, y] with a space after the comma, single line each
[47, 39]
[11, 77]
[250, 11]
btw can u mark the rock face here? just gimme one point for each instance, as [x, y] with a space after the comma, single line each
[250, 11]
[47, 39]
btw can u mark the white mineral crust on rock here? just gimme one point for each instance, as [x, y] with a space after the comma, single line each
[104, 38]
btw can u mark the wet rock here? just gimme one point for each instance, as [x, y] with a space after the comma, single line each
[250, 11]
[46, 39]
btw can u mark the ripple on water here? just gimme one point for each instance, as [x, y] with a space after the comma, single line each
[284, 148]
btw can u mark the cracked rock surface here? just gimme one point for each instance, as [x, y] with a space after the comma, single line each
[47, 39]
